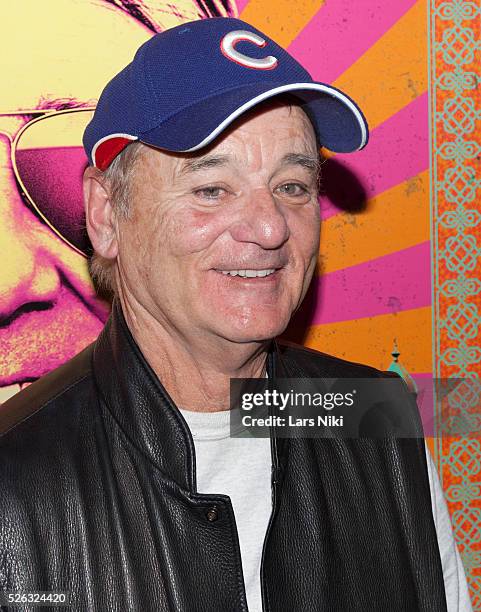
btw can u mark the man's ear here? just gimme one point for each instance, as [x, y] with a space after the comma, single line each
[99, 214]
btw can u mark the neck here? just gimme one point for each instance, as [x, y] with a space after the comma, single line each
[195, 371]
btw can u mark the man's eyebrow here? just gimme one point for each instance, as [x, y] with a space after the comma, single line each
[301, 159]
[201, 163]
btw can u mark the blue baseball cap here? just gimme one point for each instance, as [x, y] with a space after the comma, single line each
[187, 84]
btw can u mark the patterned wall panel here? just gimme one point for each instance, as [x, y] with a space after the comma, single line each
[455, 54]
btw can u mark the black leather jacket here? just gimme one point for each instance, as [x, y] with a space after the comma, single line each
[98, 497]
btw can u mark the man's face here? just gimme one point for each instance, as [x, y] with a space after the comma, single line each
[53, 54]
[225, 243]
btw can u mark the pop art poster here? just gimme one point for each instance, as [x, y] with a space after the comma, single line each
[397, 285]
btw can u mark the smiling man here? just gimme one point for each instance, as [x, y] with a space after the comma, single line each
[240, 236]
[120, 482]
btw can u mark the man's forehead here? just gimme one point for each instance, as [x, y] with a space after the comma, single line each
[69, 51]
[306, 159]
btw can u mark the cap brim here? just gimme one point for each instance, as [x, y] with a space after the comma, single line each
[339, 123]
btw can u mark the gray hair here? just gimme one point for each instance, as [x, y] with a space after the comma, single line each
[118, 180]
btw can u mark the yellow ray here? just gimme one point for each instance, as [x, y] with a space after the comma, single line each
[282, 21]
[396, 219]
[370, 340]
[393, 72]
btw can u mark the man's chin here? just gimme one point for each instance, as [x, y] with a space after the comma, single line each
[255, 331]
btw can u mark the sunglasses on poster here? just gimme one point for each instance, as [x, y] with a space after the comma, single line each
[48, 161]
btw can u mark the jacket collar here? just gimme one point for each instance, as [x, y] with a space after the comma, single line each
[141, 406]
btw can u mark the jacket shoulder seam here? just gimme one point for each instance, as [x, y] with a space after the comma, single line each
[42, 405]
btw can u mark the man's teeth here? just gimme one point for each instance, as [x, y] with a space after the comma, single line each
[249, 273]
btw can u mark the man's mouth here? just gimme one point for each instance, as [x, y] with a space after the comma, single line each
[248, 273]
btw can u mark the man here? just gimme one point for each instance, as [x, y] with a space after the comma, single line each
[120, 482]
[49, 310]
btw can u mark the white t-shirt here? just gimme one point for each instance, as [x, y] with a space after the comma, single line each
[241, 469]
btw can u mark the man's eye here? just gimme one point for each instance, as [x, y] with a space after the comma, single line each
[210, 193]
[292, 190]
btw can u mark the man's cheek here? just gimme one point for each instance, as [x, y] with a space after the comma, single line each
[195, 231]
[305, 236]
[312, 236]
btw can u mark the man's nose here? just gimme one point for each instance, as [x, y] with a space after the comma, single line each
[28, 276]
[261, 220]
